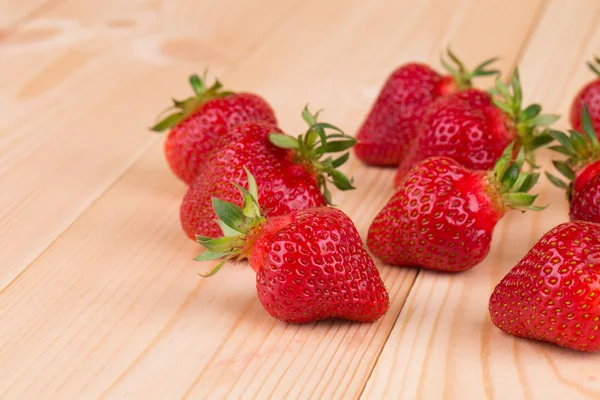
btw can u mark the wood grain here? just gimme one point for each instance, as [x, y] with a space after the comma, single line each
[443, 344]
[14, 14]
[113, 307]
[93, 96]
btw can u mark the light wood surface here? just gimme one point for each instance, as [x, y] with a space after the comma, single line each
[99, 296]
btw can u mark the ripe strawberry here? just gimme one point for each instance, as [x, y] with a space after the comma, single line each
[473, 128]
[582, 169]
[199, 121]
[310, 265]
[590, 95]
[553, 293]
[391, 124]
[291, 172]
[443, 215]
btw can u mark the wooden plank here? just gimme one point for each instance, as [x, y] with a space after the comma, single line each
[92, 96]
[114, 308]
[444, 345]
[15, 13]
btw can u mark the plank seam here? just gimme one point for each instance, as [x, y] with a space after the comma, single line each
[93, 200]
[535, 21]
[378, 354]
[245, 55]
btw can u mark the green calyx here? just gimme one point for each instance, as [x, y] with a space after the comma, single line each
[182, 109]
[595, 65]
[236, 223]
[511, 183]
[462, 76]
[312, 149]
[527, 121]
[581, 150]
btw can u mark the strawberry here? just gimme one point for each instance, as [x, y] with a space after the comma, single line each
[310, 264]
[590, 95]
[291, 171]
[390, 126]
[582, 169]
[443, 215]
[473, 128]
[199, 121]
[553, 293]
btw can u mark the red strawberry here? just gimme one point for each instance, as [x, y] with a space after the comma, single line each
[590, 95]
[310, 265]
[443, 215]
[290, 178]
[582, 168]
[553, 293]
[473, 128]
[391, 124]
[199, 121]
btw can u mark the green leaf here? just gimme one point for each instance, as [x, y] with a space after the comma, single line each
[520, 199]
[197, 84]
[588, 127]
[203, 239]
[520, 159]
[208, 255]
[580, 143]
[217, 245]
[340, 160]
[231, 214]
[323, 187]
[227, 231]
[325, 125]
[284, 141]
[448, 67]
[516, 87]
[481, 71]
[535, 208]
[530, 112]
[340, 180]
[563, 139]
[310, 138]
[252, 186]
[594, 68]
[485, 72]
[308, 117]
[510, 176]
[503, 90]
[500, 166]
[564, 169]
[216, 268]
[503, 106]
[518, 183]
[560, 149]
[529, 182]
[556, 181]
[504, 160]
[168, 122]
[250, 207]
[541, 140]
[543, 120]
[455, 59]
[323, 138]
[340, 145]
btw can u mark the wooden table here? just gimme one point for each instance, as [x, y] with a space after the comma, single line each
[99, 296]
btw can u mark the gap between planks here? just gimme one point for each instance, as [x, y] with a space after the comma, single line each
[124, 173]
[531, 29]
[228, 70]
